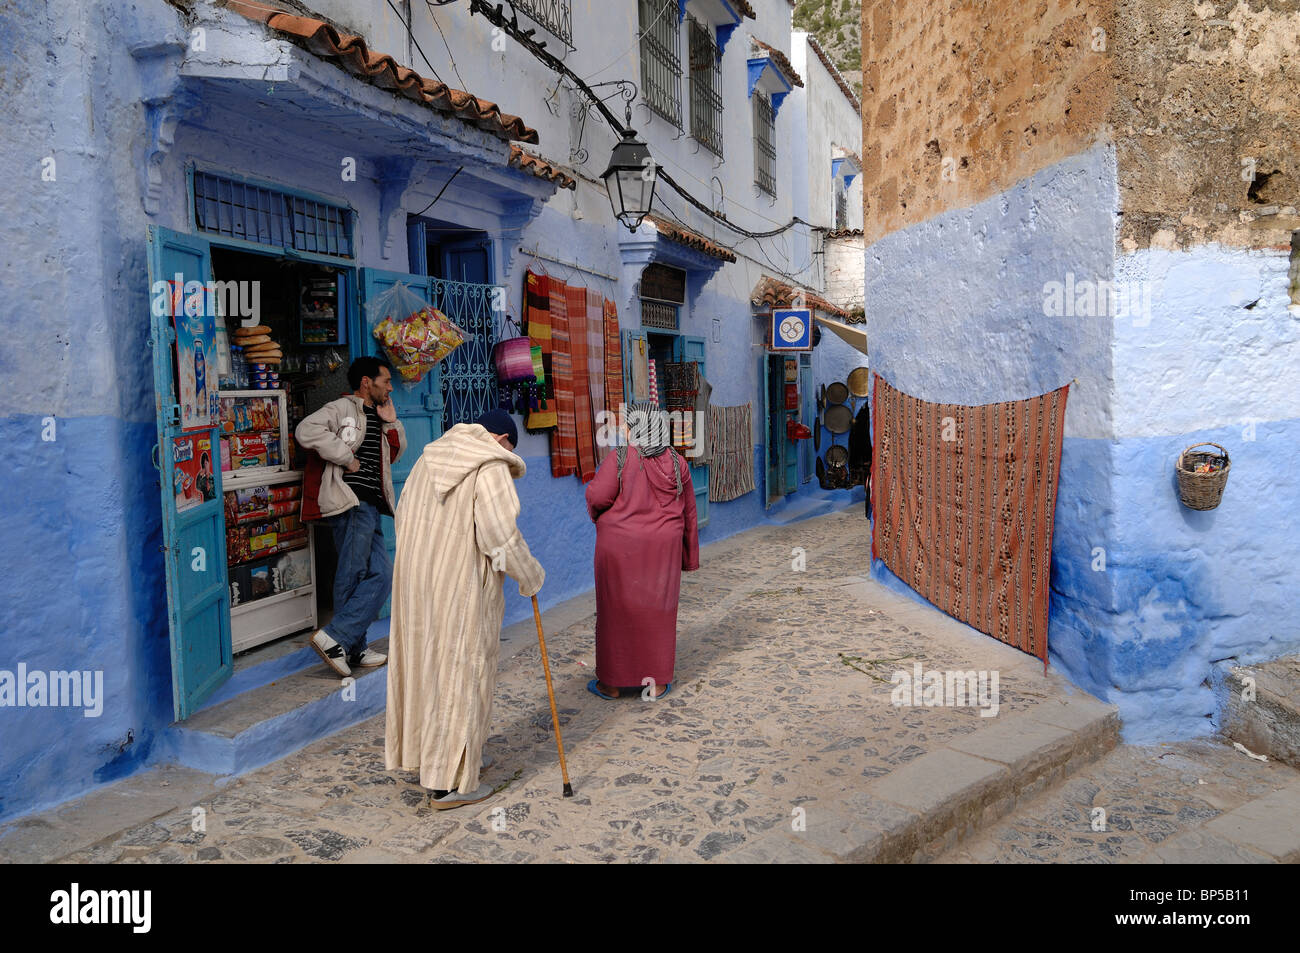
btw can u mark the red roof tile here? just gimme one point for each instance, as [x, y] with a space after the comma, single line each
[684, 236]
[770, 293]
[782, 61]
[744, 9]
[844, 233]
[381, 70]
[541, 168]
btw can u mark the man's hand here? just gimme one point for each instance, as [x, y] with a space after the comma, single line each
[353, 465]
[387, 411]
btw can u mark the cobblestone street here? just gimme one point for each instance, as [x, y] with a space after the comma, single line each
[779, 742]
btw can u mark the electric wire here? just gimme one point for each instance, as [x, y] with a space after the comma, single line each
[434, 18]
[402, 20]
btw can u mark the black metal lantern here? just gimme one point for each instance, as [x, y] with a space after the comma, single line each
[630, 180]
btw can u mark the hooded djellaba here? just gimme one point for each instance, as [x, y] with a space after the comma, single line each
[457, 539]
[643, 505]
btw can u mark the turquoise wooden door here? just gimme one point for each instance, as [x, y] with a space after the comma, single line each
[194, 540]
[808, 416]
[419, 406]
[692, 349]
[771, 452]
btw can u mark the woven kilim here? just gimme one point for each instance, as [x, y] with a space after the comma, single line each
[681, 387]
[964, 500]
[537, 322]
[731, 452]
[564, 438]
[596, 361]
[613, 359]
[575, 298]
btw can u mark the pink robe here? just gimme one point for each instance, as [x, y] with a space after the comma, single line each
[645, 537]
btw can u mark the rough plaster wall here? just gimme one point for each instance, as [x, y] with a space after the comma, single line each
[845, 259]
[1202, 88]
[71, 351]
[1002, 89]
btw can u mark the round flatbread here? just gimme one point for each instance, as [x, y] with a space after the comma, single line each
[268, 359]
[258, 355]
[253, 339]
[242, 331]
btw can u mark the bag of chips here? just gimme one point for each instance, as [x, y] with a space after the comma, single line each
[415, 335]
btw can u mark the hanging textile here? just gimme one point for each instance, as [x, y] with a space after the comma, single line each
[681, 388]
[964, 499]
[575, 302]
[731, 452]
[537, 307]
[596, 363]
[702, 419]
[564, 438]
[652, 381]
[613, 359]
[639, 360]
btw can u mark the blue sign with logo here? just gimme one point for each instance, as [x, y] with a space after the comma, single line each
[791, 329]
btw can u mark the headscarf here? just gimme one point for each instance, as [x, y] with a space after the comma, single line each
[648, 432]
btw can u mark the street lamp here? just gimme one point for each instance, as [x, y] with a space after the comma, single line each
[630, 180]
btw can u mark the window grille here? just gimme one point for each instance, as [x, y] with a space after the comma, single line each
[764, 143]
[469, 381]
[706, 87]
[658, 315]
[555, 16]
[661, 58]
[254, 213]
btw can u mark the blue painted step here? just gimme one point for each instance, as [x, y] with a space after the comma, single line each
[275, 719]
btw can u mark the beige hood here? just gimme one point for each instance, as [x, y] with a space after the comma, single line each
[461, 451]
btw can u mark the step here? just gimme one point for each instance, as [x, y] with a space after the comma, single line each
[1268, 723]
[275, 719]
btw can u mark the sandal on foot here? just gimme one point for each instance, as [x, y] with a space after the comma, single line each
[592, 687]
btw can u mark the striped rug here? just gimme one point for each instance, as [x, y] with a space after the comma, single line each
[575, 302]
[537, 324]
[596, 361]
[963, 500]
[613, 359]
[564, 438]
[731, 452]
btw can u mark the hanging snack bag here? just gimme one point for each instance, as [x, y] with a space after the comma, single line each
[415, 335]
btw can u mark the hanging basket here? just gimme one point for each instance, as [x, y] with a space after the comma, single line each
[1202, 475]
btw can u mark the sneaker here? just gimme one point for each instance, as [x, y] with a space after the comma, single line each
[331, 653]
[454, 799]
[371, 659]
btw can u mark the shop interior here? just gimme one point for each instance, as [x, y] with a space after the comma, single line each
[290, 362]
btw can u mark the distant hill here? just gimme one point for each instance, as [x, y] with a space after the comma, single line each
[837, 24]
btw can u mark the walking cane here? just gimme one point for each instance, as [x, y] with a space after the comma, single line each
[555, 718]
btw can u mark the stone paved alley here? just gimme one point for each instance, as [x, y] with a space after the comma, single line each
[780, 719]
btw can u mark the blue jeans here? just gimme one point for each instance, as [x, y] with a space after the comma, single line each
[364, 577]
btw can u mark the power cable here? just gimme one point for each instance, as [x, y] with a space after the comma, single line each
[402, 20]
[434, 18]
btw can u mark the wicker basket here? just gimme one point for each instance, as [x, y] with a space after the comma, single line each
[1202, 491]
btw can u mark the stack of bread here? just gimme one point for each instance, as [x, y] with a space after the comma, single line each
[257, 344]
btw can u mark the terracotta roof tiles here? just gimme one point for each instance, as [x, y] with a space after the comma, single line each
[770, 293]
[782, 61]
[684, 236]
[379, 69]
[831, 68]
[541, 168]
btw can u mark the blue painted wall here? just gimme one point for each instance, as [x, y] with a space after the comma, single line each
[1147, 594]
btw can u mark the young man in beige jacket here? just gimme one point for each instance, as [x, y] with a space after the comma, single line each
[349, 484]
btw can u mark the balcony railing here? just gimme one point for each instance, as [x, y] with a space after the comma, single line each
[554, 16]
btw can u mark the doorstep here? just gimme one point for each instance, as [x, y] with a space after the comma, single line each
[272, 719]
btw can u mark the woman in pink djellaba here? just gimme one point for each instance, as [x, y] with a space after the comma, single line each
[643, 505]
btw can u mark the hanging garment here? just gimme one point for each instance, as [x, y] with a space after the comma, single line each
[702, 420]
[537, 303]
[564, 438]
[964, 500]
[455, 524]
[681, 388]
[646, 536]
[640, 359]
[652, 381]
[731, 452]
